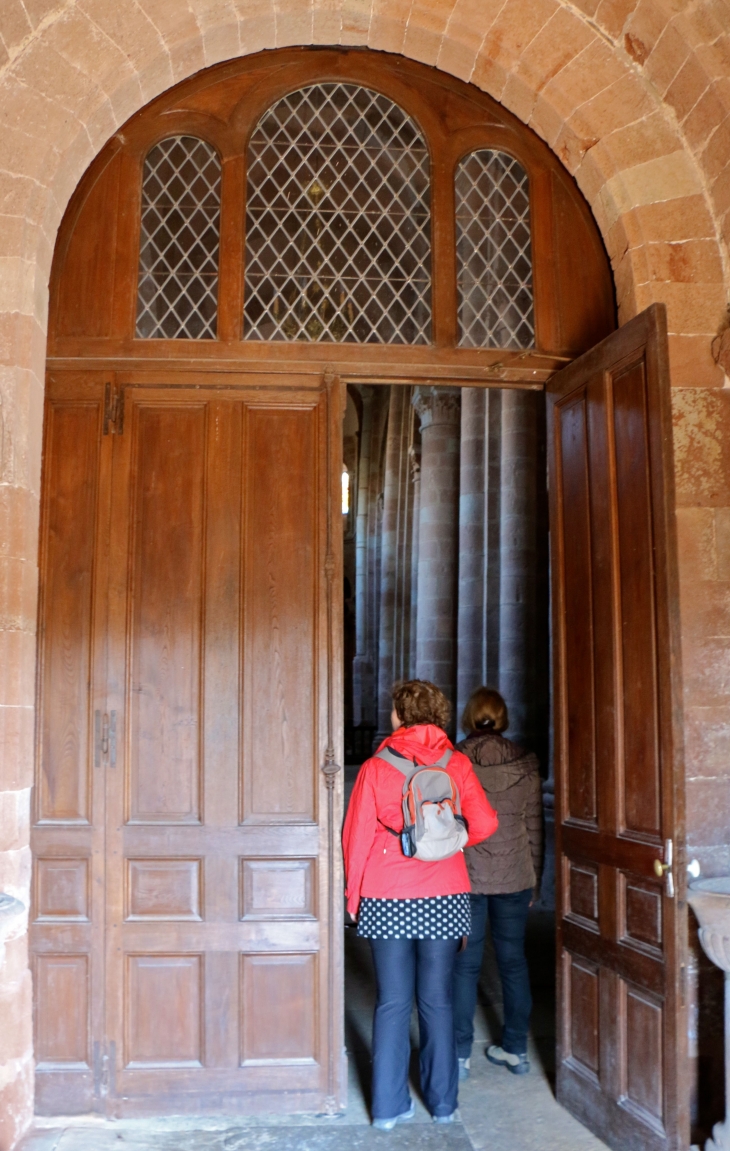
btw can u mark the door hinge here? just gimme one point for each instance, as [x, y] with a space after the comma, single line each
[105, 738]
[113, 409]
[104, 1070]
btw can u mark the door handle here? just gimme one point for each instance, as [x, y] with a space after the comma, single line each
[105, 738]
[664, 870]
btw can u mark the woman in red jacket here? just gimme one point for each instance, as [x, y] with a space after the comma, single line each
[413, 912]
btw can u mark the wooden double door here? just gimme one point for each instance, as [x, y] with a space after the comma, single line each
[183, 936]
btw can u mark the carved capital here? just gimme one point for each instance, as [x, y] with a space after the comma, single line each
[436, 405]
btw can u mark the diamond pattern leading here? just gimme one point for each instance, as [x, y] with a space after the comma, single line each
[338, 221]
[177, 292]
[493, 255]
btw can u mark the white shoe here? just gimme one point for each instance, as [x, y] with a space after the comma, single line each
[389, 1124]
[464, 1069]
[517, 1064]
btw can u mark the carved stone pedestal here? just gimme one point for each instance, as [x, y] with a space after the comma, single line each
[710, 901]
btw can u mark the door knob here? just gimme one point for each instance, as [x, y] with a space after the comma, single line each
[664, 870]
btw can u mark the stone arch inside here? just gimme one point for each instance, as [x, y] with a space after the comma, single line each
[107, 378]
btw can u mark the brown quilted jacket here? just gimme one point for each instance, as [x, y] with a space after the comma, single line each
[511, 859]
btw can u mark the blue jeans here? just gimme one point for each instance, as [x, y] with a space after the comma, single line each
[404, 967]
[507, 915]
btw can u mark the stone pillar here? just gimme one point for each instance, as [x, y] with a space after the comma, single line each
[472, 565]
[395, 567]
[439, 410]
[414, 456]
[518, 558]
[361, 665]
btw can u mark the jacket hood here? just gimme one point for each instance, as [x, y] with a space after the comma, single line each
[425, 742]
[498, 763]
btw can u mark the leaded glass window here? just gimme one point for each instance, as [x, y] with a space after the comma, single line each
[338, 227]
[177, 293]
[493, 253]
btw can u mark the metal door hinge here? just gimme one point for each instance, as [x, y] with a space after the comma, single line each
[105, 738]
[104, 1070]
[113, 409]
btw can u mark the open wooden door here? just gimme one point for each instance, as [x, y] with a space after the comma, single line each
[187, 925]
[622, 1032]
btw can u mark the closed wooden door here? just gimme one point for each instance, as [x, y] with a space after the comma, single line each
[622, 1030]
[208, 840]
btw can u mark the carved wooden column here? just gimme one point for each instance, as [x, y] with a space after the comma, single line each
[439, 410]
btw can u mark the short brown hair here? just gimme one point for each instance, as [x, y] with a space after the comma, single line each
[420, 701]
[485, 711]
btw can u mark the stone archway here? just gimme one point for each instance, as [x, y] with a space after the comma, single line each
[633, 98]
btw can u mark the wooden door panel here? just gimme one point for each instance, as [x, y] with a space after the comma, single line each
[72, 476]
[67, 836]
[621, 932]
[279, 615]
[216, 958]
[166, 609]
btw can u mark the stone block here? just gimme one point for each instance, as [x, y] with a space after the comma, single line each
[708, 811]
[14, 954]
[15, 871]
[558, 42]
[673, 220]
[706, 671]
[14, 24]
[18, 594]
[717, 150]
[690, 83]
[704, 118]
[707, 741]
[691, 364]
[14, 821]
[16, 1102]
[16, 1012]
[696, 548]
[17, 741]
[17, 668]
[685, 261]
[514, 26]
[701, 420]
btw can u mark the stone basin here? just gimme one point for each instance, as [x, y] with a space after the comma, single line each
[710, 901]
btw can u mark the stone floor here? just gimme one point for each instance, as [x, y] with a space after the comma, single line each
[497, 1110]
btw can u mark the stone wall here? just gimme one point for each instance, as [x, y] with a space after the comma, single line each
[633, 95]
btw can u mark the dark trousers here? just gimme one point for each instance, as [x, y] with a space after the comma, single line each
[507, 916]
[404, 967]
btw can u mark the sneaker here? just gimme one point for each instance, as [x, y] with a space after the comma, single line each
[389, 1124]
[464, 1069]
[517, 1064]
[444, 1118]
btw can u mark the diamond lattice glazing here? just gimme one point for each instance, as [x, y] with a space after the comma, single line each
[177, 294]
[494, 260]
[338, 244]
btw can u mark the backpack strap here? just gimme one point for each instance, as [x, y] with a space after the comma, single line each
[407, 766]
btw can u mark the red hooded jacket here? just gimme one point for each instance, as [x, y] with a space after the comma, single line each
[375, 865]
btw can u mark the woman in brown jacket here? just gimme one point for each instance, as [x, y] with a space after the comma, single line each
[505, 872]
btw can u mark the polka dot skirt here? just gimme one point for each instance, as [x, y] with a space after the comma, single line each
[436, 917]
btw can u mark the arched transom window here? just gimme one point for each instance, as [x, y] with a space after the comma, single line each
[338, 222]
[281, 205]
[177, 288]
[493, 252]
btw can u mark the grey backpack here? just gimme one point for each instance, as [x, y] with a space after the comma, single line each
[433, 826]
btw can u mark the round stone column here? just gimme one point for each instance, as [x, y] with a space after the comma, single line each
[472, 573]
[439, 410]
